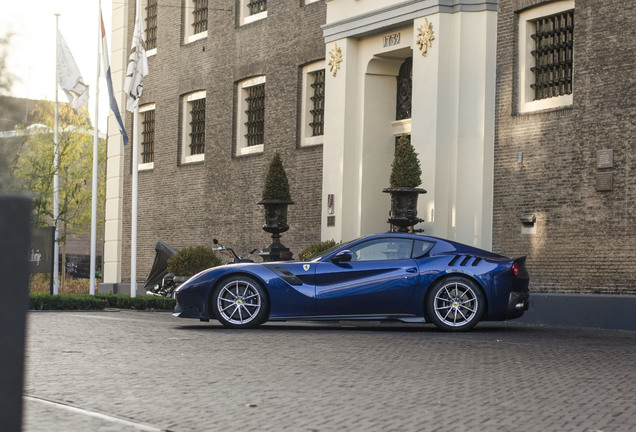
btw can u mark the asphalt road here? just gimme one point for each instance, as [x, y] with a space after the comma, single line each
[148, 371]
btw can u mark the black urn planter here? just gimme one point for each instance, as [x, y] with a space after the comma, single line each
[404, 207]
[275, 223]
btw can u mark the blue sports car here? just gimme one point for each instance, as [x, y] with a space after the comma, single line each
[397, 276]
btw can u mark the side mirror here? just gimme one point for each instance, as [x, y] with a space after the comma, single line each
[342, 256]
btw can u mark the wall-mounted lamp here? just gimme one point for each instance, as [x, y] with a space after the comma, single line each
[520, 157]
[528, 219]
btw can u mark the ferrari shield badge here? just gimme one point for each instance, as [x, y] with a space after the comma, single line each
[306, 267]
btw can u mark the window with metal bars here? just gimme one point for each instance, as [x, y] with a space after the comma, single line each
[257, 6]
[255, 102]
[200, 15]
[318, 100]
[197, 126]
[148, 136]
[151, 24]
[404, 90]
[553, 40]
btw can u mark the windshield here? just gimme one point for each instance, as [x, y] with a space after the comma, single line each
[324, 253]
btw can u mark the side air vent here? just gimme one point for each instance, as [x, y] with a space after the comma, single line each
[465, 259]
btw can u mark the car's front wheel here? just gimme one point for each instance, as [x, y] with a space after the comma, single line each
[240, 302]
[455, 304]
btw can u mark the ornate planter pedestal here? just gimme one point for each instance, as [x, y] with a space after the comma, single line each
[404, 207]
[275, 223]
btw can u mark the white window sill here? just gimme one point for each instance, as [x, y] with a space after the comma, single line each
[545, 104]
[251, 149]
[146, 166]
[193, 158]
[314, 140]
[196, 37]
[255, 17]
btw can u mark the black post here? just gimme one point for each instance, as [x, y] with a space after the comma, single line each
[15, 234]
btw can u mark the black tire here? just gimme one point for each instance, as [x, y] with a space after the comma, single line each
[240, 302]
[455, 303]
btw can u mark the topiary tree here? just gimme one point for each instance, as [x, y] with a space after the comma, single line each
[191, 260]
[405, 169]
[276, 184]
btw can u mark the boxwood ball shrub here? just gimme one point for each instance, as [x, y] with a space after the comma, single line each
[191, 260]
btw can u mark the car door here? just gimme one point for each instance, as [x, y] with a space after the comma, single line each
[379, 279]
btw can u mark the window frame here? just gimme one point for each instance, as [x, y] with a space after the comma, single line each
[142, 111]
[306, 117]
[186, 128]
[245, 16]
[526, 60]
[241, 117]
[144, 5]
[189, 35]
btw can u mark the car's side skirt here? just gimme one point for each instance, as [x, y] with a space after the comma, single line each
[372, 317]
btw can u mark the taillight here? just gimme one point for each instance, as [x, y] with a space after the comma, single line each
[515, 268]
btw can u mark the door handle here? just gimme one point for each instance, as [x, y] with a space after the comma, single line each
[411, 270]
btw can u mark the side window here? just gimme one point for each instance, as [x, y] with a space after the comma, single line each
[383, 250]
[421, 248]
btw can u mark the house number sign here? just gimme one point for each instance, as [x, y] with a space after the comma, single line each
[391, 40]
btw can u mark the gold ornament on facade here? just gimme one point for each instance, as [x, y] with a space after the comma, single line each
[335, 59]
[425, 36]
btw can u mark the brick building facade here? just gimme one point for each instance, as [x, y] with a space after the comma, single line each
[584, 239]
[190, 203]
[540, 160]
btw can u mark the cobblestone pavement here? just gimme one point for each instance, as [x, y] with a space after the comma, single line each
[147, 371]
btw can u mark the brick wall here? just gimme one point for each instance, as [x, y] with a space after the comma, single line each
[186, 205]
[585, 240]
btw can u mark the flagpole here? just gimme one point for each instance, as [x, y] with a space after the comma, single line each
[56, 178]
[133, 229]
[137, 69]
[95, 155]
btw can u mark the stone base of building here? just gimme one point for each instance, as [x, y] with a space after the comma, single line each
[613, 312]
[119, 288]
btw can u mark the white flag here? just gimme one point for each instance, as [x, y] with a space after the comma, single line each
[69, 77]
[137, 64]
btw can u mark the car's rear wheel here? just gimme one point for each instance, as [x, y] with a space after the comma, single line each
[240, 302]
[455, 304]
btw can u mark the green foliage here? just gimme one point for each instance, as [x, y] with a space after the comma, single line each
[316, 248]
[35, 168]
[276, 184]
[406, 170]
[85, 302]
[191, 260]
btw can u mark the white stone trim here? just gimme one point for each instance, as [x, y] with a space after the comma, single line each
[188, 30]
[246, 18]
[526, 60]
[150, 165]
[186, 157]
[305, 129]
[241, 144]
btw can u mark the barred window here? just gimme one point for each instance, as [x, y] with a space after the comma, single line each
[318, 101]
[404, 90]
[257, 6]
[151, 25]
[193, 127]
[255, 111]
[197, 127]
[553, 40]
[148, 136]
[200, 15]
